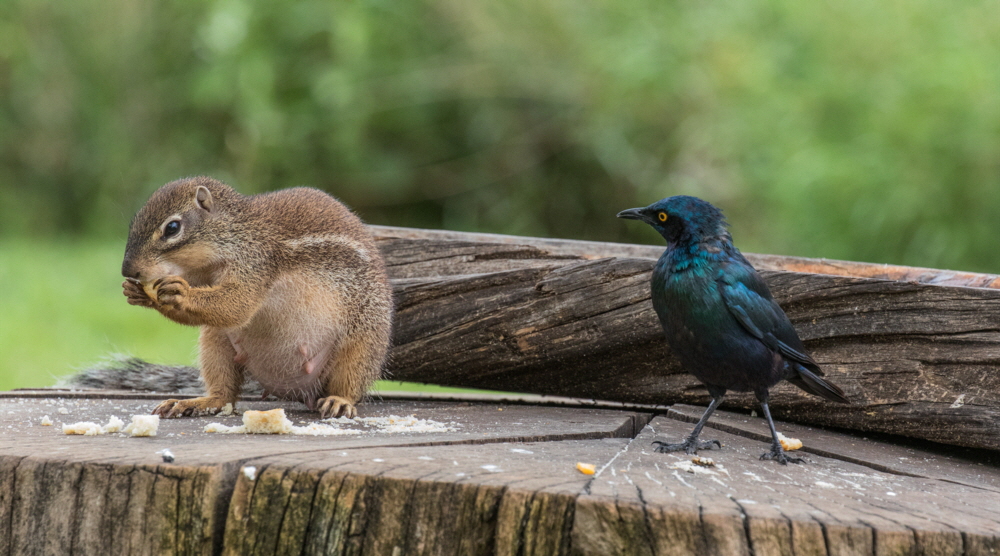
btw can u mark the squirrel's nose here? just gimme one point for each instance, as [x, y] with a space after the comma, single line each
[129, 271]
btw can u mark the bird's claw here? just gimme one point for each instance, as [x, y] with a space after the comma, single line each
[689, 446]
[778, 454]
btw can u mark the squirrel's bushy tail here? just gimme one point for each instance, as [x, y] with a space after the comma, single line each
[123, 372]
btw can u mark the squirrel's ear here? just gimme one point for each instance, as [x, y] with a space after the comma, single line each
[203, 198]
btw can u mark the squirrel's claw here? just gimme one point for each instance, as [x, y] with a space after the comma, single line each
[206, 405]
[171, 290]
[335, 406]
[165, 409]
[136, 295]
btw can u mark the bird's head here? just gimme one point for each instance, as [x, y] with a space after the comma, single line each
[682, 219]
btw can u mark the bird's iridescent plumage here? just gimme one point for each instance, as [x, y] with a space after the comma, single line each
[718, 314]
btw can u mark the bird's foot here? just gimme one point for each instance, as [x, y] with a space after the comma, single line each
[689, 446]
[778, 454]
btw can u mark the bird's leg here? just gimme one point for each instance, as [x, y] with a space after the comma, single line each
[691, 444]
[777, 453]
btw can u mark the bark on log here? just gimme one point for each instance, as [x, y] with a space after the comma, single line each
[569, 318]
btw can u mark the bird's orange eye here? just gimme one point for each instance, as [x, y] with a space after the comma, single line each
[662, 216]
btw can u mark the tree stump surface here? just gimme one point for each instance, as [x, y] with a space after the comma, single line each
[504, 481]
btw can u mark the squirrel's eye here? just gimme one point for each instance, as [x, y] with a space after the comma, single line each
[662, 216]
[171, 229]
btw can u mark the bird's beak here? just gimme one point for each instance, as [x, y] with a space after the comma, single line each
[632, 214]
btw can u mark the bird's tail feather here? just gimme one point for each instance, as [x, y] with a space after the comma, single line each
[814, 384]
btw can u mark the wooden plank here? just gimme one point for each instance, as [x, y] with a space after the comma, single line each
[851, 505]
[946, 465]
[504, 482]
[25, 437]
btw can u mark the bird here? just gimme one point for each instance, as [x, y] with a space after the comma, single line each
[720, 319]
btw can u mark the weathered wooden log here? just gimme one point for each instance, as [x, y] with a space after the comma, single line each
[916, 350]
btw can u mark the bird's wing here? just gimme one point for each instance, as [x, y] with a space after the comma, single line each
[749, 301]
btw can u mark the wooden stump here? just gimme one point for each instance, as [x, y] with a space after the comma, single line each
[504, 481]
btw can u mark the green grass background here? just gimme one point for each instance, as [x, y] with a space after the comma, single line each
[63, 310]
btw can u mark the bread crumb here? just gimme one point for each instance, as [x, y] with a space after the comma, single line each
[586, 468]
[275, 422]
[62, 411]
[143, 425]
[227, 409]
[267, 422]
[789, 444]
[85, 428]
[114, 425]
[250, 472]
[395, 424]
[256, 422]
[704, 462]
[46, 422]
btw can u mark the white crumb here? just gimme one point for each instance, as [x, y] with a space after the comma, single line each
[320, 429]
[143, 425]
[521, 451]
[62, 411]
[691, 467]
[275, 422]
[84, 427]
[250, 472]
[46, 422]
[396, 424]
[114, 425]
[824, 485]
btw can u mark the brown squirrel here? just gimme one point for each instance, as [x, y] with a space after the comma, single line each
[288, 288]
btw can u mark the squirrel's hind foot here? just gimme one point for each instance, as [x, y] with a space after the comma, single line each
[186, 408]
[335, 406]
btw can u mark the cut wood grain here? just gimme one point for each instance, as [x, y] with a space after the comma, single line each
[478, 489]
[570, 318]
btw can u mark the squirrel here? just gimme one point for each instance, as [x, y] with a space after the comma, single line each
[288, 287]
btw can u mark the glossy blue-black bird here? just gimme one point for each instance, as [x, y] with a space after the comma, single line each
[719, 317]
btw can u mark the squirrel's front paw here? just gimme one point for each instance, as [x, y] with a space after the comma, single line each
[184, 408]
[136, 294]
[171, 292]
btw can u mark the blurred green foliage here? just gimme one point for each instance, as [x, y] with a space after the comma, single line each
[854, 129]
